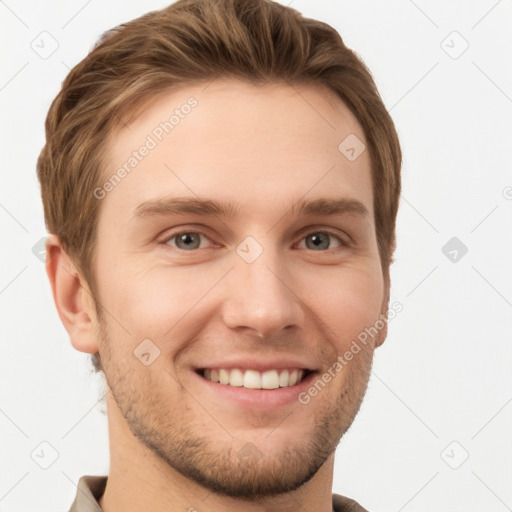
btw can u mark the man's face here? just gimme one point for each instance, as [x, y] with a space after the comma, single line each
[269, 287]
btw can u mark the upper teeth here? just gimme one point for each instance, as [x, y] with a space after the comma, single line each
[254, 379]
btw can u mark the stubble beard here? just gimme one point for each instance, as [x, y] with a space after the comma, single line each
[220, 468]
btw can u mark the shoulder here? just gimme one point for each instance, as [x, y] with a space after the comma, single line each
[342, 504]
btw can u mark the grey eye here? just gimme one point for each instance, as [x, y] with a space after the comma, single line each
[187, 241]
[318, 241]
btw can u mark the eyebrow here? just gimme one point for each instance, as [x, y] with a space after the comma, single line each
[196, 206]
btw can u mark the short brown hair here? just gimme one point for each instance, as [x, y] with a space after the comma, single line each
[193, 41]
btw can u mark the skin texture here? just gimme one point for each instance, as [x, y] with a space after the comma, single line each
[174, 444]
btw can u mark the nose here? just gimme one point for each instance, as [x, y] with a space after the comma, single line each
[261, 297]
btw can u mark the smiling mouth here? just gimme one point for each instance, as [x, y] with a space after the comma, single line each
[254, 379]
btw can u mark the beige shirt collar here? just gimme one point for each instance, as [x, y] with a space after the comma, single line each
[89, 491]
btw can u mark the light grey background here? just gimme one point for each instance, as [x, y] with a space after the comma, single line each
[441, 386]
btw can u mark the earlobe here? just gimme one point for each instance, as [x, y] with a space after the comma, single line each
[71, 296]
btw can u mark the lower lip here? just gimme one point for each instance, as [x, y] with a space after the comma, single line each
[263, 399]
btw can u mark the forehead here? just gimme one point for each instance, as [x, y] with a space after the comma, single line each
[262, 147]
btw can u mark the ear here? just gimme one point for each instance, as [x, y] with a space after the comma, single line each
[383, 333]
[72, 297]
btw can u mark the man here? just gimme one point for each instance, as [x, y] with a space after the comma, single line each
[220, 182]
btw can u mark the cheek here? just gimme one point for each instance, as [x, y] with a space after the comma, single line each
[163, 302]
[154, 303]
[346, 303]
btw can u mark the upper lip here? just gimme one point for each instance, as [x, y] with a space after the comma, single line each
[257, 364]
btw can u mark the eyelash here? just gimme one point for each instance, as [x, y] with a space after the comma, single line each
[343, 243]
